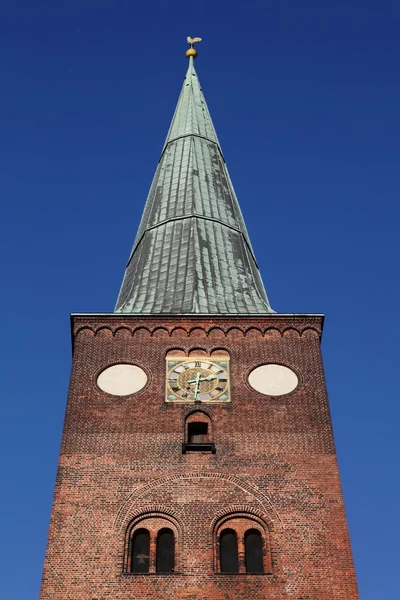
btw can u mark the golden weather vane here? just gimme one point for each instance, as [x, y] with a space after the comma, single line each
[192, 51]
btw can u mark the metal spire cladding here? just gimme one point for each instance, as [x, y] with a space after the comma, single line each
[192, 253]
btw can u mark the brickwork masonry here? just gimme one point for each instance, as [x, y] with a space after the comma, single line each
[121, 461]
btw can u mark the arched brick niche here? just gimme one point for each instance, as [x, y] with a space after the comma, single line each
[176, 352]
[242, 545]
[152, 545]
[198, 352]
[219, 352]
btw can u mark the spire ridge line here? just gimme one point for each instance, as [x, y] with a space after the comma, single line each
[194, 216]
[192, 135]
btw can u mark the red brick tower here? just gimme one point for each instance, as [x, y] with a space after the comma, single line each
[197, 458]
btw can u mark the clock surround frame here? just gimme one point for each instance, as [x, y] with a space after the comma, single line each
[224, 397]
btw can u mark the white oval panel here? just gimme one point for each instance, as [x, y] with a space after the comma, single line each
[121, 380]
[273, 380]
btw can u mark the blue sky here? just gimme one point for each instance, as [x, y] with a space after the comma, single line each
[305, 98]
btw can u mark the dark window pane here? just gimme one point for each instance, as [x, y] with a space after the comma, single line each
[229, 552]
[198, 433]
[140, 551]
[165, 551]
[254, 552]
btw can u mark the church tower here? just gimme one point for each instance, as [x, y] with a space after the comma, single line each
[197, 459]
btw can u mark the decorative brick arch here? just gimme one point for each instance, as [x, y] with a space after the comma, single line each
[143, 511]
[88, 331]
[219, 352]
[215, 333]
[310, 332]
[190, 409]
[123, 332]
[180, 352]
[253, 332]
[124, 514]
[291, 332]
[193, 351]
[237, 509]
[235, 332]
[272, 332]
[104, 331]
[141, 332]
[160, 332]
[197, 332]
[179, 332]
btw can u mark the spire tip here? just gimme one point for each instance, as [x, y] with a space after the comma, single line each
[192, 52]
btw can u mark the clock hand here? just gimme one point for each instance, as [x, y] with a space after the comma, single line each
[197, 376]
[196, 387]
[208, 378]
[197, 382]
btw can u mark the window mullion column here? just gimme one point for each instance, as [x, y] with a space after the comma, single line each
[241, 555]
[153, 552]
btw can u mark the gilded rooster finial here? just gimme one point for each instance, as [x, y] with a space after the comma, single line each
[192, 42]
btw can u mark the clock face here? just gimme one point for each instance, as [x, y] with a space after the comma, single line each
[197, 379]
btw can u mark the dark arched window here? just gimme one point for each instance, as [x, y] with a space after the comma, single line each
[165, 559]
[140, 551]
[254, 551]
[198, 433]
[229, 552]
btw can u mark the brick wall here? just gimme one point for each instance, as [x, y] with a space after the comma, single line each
[121, 459]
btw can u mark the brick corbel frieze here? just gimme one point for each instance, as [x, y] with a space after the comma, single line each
[211, 327]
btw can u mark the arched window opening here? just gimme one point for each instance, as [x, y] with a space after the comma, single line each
[140, 551]
[165, 559]
[229, 558]
[254, 551]
[198, 433]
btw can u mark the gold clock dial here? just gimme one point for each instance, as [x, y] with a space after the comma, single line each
[197, 379]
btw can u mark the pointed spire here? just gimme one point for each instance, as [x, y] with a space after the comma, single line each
[192, 253]
[191, 115]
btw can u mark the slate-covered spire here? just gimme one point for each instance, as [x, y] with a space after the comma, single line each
[192, 253]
